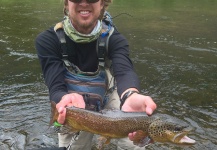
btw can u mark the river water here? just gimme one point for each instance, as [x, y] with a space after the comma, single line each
[173, 47]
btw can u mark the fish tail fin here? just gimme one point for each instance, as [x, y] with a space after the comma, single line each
[54, 113]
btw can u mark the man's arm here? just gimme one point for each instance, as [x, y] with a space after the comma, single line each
[127, 79]
[49, 54]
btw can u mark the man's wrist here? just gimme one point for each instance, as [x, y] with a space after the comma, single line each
[126, 95]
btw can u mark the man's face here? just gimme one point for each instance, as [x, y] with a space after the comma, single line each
[84, 15]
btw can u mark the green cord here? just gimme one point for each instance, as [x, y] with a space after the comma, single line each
[56, 124]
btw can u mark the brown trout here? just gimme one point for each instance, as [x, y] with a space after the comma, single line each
[118, 124]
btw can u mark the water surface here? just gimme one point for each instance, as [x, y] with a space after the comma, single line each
[173, 47]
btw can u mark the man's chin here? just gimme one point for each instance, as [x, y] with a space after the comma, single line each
[85, 26]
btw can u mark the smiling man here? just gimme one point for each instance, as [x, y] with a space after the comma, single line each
[84, 16]
[76, 63]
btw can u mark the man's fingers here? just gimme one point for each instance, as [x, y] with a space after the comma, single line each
[150, 105]
[62, 114]
[79, 104]
[131, 135]
[148, 111]
[60, 110]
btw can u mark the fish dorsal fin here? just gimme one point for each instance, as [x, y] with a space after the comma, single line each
[109, 110]
[141, 139]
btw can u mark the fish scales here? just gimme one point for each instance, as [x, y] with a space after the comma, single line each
[108, 122]
[118, 124]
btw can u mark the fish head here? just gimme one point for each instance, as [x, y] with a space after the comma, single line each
[167, 130]
[178, 134]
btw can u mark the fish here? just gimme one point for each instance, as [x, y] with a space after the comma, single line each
[115, 124]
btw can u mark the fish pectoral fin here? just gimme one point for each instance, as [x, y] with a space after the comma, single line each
[139, 135]
[141, 139]
[102, 141]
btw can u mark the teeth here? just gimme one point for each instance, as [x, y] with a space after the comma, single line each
[84, 12]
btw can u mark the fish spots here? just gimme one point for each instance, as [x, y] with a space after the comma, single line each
[118, 124]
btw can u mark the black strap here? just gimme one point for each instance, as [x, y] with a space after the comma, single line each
[102, 49]
[126, 95]
[61, 36]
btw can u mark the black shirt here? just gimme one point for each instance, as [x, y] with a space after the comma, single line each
[85, 57]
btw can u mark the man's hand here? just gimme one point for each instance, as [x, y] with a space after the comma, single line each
[138, 103]
[69, 100]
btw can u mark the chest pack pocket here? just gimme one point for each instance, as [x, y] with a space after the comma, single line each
[93, 86]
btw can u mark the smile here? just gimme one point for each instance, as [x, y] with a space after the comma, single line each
[84, 12]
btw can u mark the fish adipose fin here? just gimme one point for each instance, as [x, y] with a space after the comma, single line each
[142, 139]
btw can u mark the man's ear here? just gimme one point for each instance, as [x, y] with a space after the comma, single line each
[67, 7]
[66, 10]
[102, 4]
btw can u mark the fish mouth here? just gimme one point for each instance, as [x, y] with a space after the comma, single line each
[182, 138]
[187, 140]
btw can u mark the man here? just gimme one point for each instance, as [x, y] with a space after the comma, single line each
[82, 28]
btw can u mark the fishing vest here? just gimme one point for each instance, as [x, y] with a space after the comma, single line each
[93, 86]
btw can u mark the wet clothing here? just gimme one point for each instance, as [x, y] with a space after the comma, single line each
[85, 57]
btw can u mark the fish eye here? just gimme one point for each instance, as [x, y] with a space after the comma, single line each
[178, 129]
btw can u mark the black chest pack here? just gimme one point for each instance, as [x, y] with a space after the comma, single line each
[93, 86]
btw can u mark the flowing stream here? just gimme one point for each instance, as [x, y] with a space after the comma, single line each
[173, 47]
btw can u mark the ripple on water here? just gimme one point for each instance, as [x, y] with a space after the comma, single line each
[13, 141]
[24, 116]
[24, 55]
